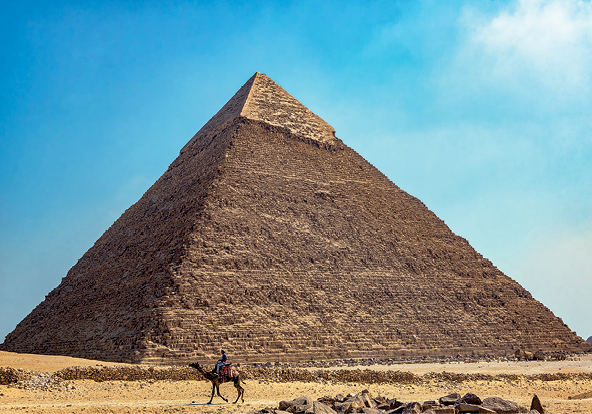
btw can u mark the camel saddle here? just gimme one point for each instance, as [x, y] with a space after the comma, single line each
[228, 371]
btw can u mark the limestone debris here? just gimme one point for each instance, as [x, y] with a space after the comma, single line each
[365, 403]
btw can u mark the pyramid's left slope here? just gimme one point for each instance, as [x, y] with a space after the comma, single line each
[111, 300]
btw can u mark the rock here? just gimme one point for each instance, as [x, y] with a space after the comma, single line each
[393, 403]
[284, 405]
[368, 401]
[533, 412]
[501, 406]
[379, 400]
[589, 339]
[321, 408]
[297, 405]
[340, 397]
[472, 408]
[368, 410]
[444, 410]
[450, 399]
[536, 405]
[520, 354]
[357, 403]
[539, 356]
[304, 400]
[470, 399]
[343, 407]
[327, 399]
[412, 408]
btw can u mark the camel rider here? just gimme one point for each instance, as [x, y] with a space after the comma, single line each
[221, 362]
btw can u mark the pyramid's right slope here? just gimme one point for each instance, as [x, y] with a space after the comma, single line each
[309, 250]
[270, 238]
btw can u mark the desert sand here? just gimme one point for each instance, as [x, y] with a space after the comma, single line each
[86, 396]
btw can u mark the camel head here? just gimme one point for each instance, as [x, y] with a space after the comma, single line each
[196, 366]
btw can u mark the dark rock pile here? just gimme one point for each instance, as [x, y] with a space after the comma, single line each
[31, 380]
[365, 403]
[8, 375]
[518, 355]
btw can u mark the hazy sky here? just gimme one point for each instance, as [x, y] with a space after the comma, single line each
[480, 108]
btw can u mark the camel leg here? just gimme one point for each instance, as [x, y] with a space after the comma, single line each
[213, 390]
[240, 391]
[220, 395]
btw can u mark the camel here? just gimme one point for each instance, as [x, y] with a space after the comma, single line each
[226, 375]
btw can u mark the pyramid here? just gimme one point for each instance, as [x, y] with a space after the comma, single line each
[272, 239]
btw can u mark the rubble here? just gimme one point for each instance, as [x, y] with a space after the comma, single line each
[365, 403]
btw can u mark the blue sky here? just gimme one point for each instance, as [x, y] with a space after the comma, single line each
[479, 108]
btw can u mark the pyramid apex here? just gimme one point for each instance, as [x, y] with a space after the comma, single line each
[261, 99]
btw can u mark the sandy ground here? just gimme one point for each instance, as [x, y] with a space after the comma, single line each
[191, 396]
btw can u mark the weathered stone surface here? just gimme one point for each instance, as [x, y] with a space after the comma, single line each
[412, 408]
[343, 407]
[449, 399]
[300, 404]
[472, 408]
[536, 405]
[394, 403]
[270, 238]
[285, 405]
[521, 354]
[357, 403]
[367, 399]
[368, 410]
[470, 398]
[320, 408]
[501, 406]
[444, 410]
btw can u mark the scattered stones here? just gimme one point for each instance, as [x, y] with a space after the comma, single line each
[365, 403]
[285, 374]
[30, 380]
[8, 376]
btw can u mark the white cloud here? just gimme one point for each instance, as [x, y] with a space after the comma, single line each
[548, 42]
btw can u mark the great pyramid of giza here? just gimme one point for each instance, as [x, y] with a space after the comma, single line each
[270, 238]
